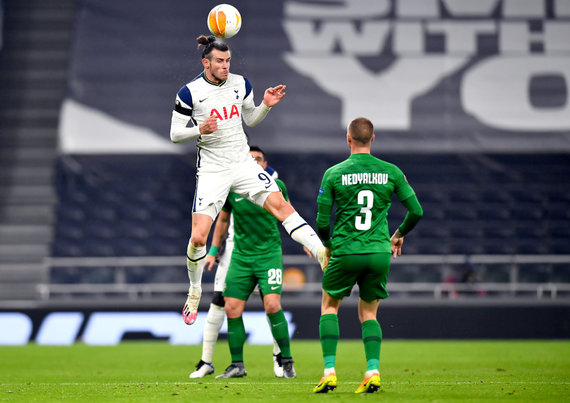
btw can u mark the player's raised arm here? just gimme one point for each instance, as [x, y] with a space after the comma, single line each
[253, 115]
[274, 95]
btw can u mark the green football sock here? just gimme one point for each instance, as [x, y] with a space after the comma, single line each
[372, 338]
[236, 338]
[329, 334]
[280, 331]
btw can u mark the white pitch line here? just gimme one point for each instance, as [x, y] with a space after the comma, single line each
[277, 383]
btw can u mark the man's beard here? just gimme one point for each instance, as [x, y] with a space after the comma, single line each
[218, 79]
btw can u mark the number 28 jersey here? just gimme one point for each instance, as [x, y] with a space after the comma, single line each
[362, 187]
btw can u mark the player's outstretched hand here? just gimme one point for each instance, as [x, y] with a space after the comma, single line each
[210, 260]
[210, 125]
[396, 242]
[273, 95]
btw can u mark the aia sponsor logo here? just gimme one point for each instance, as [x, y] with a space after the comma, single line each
[223, 113]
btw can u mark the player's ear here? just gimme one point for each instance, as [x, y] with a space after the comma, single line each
[348, 138]
[205, 63]
[372, 138]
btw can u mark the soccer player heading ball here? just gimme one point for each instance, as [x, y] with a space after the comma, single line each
[210, 109]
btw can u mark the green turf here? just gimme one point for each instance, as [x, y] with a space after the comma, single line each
[411, 371]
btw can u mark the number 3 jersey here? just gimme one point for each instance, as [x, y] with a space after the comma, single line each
[362, 187]
[255, 230]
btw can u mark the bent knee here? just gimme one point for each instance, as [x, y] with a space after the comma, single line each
[272, 306]
[233, 307]
[197, 241]
[278, 206]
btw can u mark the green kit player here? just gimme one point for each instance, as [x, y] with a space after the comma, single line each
[257, 258]
[360, 245]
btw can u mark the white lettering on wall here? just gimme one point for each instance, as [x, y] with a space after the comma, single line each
[109, 328]
[328, 39]
[496, 92]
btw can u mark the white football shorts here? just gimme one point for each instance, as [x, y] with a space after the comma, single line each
[248, 179]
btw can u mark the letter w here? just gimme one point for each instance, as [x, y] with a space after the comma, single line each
[368, 42]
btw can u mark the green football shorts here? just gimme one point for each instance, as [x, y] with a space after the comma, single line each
[247, 271]
[369, 271]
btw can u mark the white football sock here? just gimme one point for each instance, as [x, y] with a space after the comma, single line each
[276, 349]
[214, 322]
[302, 232]
[195, 262]
[329, 371]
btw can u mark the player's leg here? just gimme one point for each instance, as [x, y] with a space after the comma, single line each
[372, 288]
[212, 326]
[329, 336]
[268, 271]
[338, 280]
[236, 338]
[372, 339]
[195, 260]
[215, 317]
[296, 226]
[214, 322]
[277, 357]
[252, 182]
[239, 285]
[210, 195]
[280, 331]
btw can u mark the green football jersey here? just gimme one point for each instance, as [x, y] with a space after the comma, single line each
[362, 187]
[255, 230]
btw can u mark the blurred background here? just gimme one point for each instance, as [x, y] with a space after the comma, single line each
[469, 99]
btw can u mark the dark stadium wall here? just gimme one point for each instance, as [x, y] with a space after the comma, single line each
[103, 327]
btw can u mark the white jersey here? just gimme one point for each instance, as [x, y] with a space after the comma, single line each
[229, 101]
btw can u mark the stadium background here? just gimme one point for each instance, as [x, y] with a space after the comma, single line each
[470, 99]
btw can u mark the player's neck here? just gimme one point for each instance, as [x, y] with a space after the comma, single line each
[210, 78]
[359, 150]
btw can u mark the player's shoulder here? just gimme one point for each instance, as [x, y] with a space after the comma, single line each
[331, 171]
[198, 80]
[388, 166]
[372, 160]
[340, 167]
[235, 79]
[192, 85]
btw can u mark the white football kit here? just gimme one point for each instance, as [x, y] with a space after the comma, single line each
[224, 164]
[223, 160]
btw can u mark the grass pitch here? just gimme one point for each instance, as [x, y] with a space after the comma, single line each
[410, 370]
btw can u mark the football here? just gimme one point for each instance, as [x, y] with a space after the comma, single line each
[224, 21]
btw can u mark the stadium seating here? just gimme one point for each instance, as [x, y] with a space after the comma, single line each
[140, 206]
